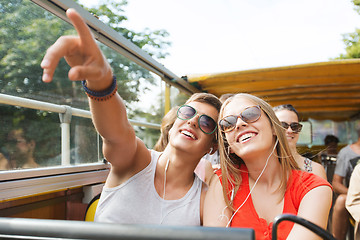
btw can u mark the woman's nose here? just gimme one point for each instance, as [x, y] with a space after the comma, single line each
[193, 121]
[289, 130]
[240, 123]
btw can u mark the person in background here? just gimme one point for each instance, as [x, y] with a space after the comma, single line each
[204, 169]
[4, 162]
[21, 149]
[329, 155]
[143, 186]
[347, 159]
[331, 142]
[353, 199]
[289, 119]
[259, 179]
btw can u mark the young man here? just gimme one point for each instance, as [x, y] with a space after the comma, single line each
[21, 149]
[143, 186]
[353, 199]
[347, 159]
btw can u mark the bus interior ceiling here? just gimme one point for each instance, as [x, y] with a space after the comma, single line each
[323, 91]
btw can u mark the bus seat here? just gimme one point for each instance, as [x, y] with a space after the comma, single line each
[91, 208]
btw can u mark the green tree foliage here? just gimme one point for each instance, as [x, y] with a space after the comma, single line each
[352, 40]
[27, 30]
[129, 73]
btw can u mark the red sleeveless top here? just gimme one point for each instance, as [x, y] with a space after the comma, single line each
[299, 184]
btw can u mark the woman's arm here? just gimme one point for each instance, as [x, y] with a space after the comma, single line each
[109, 117]
[216, 213]
[314, 207]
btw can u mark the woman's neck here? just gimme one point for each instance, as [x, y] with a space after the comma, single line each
[268, 168]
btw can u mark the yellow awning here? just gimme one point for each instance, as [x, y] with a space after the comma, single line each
[324, 90]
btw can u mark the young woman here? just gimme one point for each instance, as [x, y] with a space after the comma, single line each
[143, 186]
[289, 119]
[259, 179]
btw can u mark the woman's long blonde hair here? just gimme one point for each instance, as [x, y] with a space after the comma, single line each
[230, 162]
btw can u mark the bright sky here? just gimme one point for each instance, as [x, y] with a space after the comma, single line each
[211, 36]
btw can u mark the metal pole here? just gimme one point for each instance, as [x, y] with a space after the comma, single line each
[65, 120]
[167, 99]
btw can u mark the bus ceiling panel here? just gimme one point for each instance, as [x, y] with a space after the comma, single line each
[332, 90]
[321, 79]
[261, 90]
[319, 102]
[280, 83]
[339, 68]
[116, 41]
[337, 109]
[311, 96]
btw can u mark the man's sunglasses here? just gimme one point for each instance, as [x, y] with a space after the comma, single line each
[249, 115]
[295, 126]
[206, 124]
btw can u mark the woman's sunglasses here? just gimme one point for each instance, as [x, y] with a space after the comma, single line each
[249, 115]
[295, 126]
[206, 124]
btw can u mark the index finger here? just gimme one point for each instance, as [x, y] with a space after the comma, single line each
[83, 30]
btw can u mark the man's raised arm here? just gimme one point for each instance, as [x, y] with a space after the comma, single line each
[107, 108]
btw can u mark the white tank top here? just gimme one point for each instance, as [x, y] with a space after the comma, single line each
[137, 202]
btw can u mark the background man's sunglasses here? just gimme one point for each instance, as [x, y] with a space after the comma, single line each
[249, 115]
[206, 124]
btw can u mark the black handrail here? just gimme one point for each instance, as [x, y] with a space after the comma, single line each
[296, 219]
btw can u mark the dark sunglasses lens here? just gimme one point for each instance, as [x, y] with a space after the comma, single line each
[251, 114]
[285, 125]
[228, 123]
[186, 112]
[296, 127]
[207, 124]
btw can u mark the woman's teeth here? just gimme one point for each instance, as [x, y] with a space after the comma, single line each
[189, 134]
[246, 136]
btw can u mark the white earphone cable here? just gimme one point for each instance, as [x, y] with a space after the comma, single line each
[267, 160]
[163, 197]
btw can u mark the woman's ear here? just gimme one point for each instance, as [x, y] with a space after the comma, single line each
[169, 132]
[230, 150]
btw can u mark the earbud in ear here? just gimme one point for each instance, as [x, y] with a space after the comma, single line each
[211, 149]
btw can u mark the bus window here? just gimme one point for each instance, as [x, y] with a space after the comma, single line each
[305, 136]
[27, 31]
